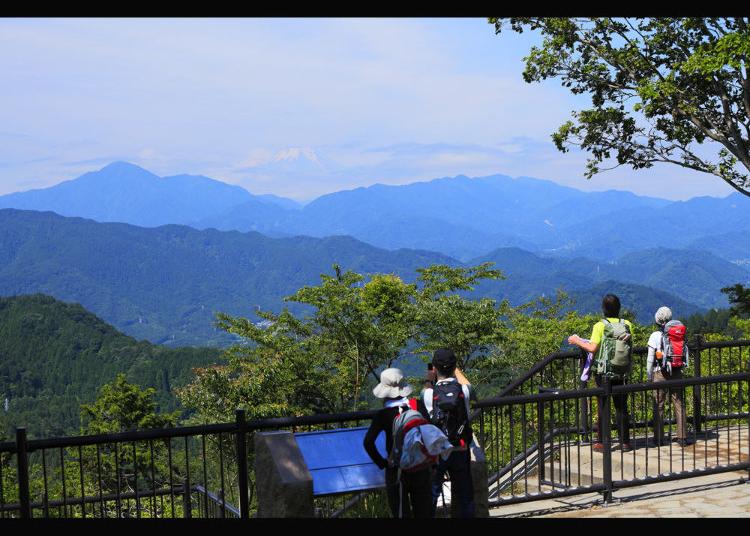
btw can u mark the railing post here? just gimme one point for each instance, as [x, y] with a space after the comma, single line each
[697, 413]
[540, 439]
[607, 439]
[242, 462]
[187, 503]
[23, 474]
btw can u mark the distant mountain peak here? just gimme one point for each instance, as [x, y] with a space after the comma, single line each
[121, 165]
[297, 153]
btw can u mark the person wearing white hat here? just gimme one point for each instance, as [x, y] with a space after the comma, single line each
[416, 498]
[657, 373]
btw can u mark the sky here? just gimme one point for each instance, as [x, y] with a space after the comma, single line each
[293, 107]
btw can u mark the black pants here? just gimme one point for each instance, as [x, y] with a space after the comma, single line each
[415, 492]
[458, 467]
[621, 411]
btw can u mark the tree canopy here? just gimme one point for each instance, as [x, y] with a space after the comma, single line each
[659, 87]
[324, 361]
[739, 297]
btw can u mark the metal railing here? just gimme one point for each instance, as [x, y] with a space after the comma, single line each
[195, 471]
[543, 439]
[516, 423]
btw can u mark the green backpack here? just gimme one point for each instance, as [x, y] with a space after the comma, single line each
[614, 358]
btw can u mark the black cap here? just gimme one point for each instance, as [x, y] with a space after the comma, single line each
[444, 359]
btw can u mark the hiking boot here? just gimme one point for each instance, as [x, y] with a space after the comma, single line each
[625, 447]
[598, 447]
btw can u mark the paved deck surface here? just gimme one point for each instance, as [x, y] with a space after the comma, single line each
[719, 495]
[722, 495]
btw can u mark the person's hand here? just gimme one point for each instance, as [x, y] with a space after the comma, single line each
[573, 339]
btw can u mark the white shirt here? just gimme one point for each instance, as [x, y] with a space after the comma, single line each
[654, 344]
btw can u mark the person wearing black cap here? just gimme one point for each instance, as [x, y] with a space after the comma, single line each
[445, 383]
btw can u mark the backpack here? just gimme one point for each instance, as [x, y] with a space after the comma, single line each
[408, 452]
[449, 412]
[616, 350]
[673, 344]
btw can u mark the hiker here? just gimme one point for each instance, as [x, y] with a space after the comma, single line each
[611, 344]
[667, 357]
[445, 400]
[409, 492]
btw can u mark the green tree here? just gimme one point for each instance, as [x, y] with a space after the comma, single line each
[356, 326]
[120, 407]
[314, 364]
[445, 317]
[739, 297]
[659, 87]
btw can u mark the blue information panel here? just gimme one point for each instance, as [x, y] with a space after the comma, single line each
[338, 461]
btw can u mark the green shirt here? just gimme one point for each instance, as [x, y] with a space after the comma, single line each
[598, 331]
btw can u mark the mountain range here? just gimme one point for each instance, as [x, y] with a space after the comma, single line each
[54, 356]
[165, 284]
[458, 216]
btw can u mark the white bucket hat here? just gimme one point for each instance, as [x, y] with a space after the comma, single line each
[663, 315]
[392, 384]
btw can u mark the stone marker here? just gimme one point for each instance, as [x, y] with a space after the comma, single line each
[284, 484]
[478, 468]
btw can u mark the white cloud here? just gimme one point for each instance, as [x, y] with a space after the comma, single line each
[390, 100]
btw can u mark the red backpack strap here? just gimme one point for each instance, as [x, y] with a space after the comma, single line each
[413, 404]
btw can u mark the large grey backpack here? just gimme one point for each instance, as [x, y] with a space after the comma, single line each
[614, 358]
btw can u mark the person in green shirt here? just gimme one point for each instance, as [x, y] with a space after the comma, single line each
[611, 310]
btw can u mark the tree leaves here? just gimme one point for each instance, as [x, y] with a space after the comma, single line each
[658, 88]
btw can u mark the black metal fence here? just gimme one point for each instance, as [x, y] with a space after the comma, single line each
[198, 471]
[537, 445]
[541, 443]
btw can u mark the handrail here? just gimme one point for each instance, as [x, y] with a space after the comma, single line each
[219, 501]
[326, 418]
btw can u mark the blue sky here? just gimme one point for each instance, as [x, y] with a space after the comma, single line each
[295, 107]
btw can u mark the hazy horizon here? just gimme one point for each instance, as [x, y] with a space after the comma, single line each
[294, 107]
[306, 201]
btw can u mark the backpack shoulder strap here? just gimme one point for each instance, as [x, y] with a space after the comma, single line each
[467, 394]
[427, 399]
[606, 321]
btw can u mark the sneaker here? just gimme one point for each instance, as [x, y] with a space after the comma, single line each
[625, 447]
[598, 447]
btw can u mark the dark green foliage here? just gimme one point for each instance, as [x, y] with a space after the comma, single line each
[54, 356]
[712, 321]
[739, 297]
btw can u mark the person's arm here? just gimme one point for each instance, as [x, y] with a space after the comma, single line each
[461, 378]
[650, 363]
[588, 346]
[369, 444]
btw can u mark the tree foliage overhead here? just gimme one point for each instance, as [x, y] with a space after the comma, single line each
[659, 87]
